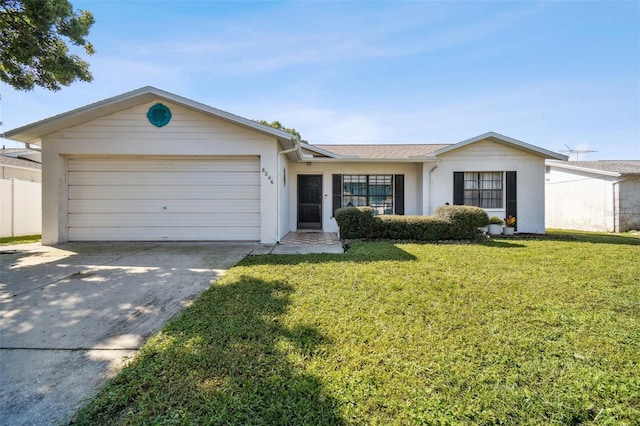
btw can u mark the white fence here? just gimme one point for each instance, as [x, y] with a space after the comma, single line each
[20, 208]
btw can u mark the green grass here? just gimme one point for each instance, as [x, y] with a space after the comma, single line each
[540, 331]
[7, 241]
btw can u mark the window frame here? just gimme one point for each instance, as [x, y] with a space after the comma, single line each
[484, 189]
[368, 182]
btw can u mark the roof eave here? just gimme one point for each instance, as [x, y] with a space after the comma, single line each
[570, 166]
[317, 150]
[369, 160]
[18, 163]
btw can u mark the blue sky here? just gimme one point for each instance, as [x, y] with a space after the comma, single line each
[548, 73]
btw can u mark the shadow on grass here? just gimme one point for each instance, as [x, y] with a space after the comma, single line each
[502, 244]
[597, 237]
[573, 236]
[227, 359]
[357, 253]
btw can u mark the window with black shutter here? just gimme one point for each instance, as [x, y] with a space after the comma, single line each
[383, 193]
[480, 189]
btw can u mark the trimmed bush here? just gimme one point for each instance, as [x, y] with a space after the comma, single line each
[356, 222]
[464, 216]
[465, 220]
[419, 228]
[448, 223]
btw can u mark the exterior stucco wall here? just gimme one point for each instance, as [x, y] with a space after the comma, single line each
[488, 156]
[580, 200]
[285, 181]
[409, 170]
[8, 172]
[629, 204]
[129, 133]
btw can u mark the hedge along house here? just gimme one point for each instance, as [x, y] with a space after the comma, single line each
[149, 165]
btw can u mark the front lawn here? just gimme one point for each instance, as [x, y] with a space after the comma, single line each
[512, 331]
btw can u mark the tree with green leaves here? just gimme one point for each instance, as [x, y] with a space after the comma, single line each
[279, 126]
[35, 41]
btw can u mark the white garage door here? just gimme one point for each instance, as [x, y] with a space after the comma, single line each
[158, 199]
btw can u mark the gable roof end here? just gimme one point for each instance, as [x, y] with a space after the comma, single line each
[507, 141]
[33, 133]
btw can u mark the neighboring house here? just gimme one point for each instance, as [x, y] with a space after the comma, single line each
[150, 165]
[20, 192]
[20, 163]
[593, 195]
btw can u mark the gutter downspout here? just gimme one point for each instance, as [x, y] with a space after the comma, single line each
[296, 147]
[435, 166]
[616, 218]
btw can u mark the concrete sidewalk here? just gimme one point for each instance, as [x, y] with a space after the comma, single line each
[304, 242]
[297, 249]
[69, 314]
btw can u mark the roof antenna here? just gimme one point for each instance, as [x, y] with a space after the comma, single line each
[577, 152]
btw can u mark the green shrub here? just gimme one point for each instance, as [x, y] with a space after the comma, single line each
[448, 223]
[356, 222]
[463, 216]
[464, 220]
[418, 228]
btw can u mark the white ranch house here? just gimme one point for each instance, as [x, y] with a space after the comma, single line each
[151, 165]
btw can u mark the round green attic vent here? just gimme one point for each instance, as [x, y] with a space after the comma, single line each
[159, 115]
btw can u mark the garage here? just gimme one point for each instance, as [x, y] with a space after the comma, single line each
[181, 198]
[148, 165]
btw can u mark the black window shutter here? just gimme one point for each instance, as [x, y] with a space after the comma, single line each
[337, 192]
[511, 189]
[458, 188]
[398, 201]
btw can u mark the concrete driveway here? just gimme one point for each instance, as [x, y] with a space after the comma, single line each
[69, 314]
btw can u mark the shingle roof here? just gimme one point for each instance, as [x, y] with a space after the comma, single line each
[22, 153]
[12, 152]
[616, 166]
[386, 151]
[409, 152]
[19, 162]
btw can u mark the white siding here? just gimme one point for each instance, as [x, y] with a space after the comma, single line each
[128, 133]
[153, 199]
[488, 156]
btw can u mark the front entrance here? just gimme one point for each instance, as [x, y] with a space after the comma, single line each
[309, 201]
